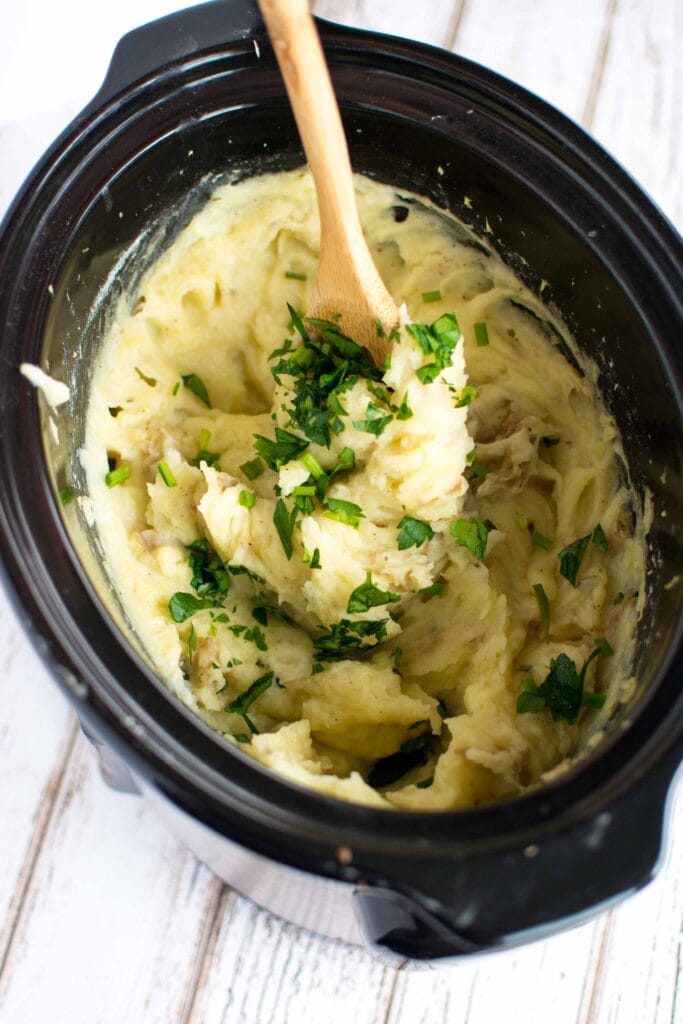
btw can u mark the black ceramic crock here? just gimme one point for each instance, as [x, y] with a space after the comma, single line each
[198, 94]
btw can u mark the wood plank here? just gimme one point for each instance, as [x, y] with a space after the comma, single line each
[116, 916]
[37, 731]
[637, 983]
[549, 48]
[259, 969]
[639, 111]
[434, 22]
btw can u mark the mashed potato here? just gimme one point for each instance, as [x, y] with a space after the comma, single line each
[413, 587]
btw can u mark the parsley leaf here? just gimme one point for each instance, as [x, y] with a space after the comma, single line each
[283, 449]
[562, 691]
[345, 638]
[471, 534]
[375, 422]
[544, 608]
[209, 575]
[197, 386]
[413, 533]
[244, 702]
[182, 605]
[599, 538]
[346, 512]
[481, 333]
[571, 558]
[253, 468]
[437, 339]
[284, 524]
[367, 596]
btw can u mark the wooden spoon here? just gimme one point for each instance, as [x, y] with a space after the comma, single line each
[347, 281]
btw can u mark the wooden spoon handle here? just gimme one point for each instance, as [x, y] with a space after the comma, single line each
[299, 53]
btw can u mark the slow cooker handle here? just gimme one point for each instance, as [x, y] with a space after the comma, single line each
[148, 49]
[505, 897]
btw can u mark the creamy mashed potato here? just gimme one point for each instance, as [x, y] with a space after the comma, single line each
[382, 584]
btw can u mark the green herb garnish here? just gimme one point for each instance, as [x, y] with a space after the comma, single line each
[438, 340]
[191, 643]
[344, 512]
[253, 469]
[167, 475]
[466, 396]
[197, 386]
[117, 476]
[571, 558]
[619, 598]
[283, 449]
[544, 608]
[481, 333]
[291, 275]
[209, 574]
[599, 538]
[367, 596]
[541, 541]
[285, 522]
[182, 605]
[432, 591]
[375, 421]
[413, 533]
[550, 442]
[562, 691]
[434, 296]
[66, 495]
[471, 534]
[243, 703]
[345, 638]
[247, 499]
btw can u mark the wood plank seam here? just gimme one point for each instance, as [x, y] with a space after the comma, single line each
[44, 816]
[454, 25]
[206, 948]
[599, 68]
[590, 996]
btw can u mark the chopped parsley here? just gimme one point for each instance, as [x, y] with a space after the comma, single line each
[182, 605]
[346, 512]
[434, 296]
[209, 574]
[562, 691]
[191, 643]
[285, 447]
[438, 340]
[544, 608]
[541, 541]
[413, 533]
[432, 591]
[291, 275]
[176, 388]
[599, 538]
[243, 703]
[345, 638]
[321, 368]
[253, 469]
[618, 598]
[285, 522]
[197, 386]
[550, 442]
[471, 534]
[315, 560]
[466, 396]
[66, 495]
[117, 476]
[247, 499]
[481, 333]
[375, 421]
[367, 596]
[167, 475]
[571, 558]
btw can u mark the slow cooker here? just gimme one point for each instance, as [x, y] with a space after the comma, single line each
[187, 101]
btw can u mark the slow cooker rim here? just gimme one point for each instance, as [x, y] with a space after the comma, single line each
[393, 815]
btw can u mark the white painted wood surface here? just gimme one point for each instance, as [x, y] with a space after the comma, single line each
[103, 917]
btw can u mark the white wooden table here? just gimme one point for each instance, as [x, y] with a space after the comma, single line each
[104, 918]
